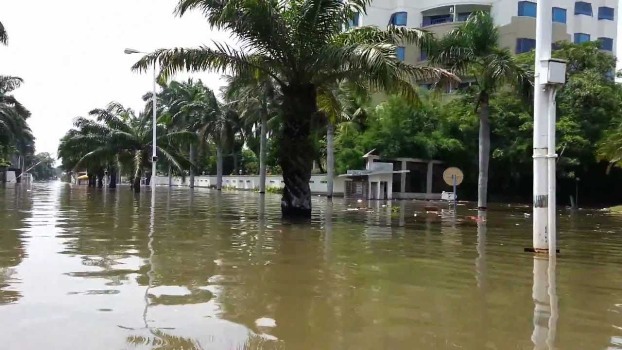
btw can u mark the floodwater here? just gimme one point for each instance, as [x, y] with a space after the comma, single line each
[102, 269]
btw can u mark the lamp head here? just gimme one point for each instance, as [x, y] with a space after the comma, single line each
[130, 51]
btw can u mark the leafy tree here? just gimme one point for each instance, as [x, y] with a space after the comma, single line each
[472, 50]
[256, 99]
[118, 132]
[189, 106]
[43, 169]
[341, 103]
[16, 138]
[301, 45]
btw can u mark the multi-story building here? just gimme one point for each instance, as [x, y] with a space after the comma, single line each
[577, 21]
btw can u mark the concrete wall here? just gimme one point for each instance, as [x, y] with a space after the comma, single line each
[249, 182]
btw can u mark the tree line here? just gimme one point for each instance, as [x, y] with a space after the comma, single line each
[16, 138]
[300, 90]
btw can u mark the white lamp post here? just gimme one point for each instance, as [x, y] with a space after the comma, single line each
[154, 153]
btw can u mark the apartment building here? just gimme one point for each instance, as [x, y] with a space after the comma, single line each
[577, 21]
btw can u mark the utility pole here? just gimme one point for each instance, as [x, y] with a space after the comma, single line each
[550, 74]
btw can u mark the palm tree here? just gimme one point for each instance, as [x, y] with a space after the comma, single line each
[301, 45]
[610, 148]
[117, 131]
[4, 38]
[472, 50]
[16, 138]
[220, 128]
[256, 99]
[340, 103]
[188, 106]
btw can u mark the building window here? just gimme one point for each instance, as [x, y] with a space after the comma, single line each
[582, 8]
[400, 53]
[606, 44]
[354, 22]
[423, 56]
[463, 16]
[581, 38]
[525, 45]
[559, 15]
[399, 18]
[438, 19]
[527, 9]
[605, 13]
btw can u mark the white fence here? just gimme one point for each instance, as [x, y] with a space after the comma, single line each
[317, 183]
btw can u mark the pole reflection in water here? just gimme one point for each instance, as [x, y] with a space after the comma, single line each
[480, 261]
[545, 312]
[328, 230]
[151, 254]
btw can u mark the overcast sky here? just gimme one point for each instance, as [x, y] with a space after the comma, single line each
[70, 54]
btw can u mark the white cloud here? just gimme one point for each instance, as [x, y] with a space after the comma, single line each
[70, 54]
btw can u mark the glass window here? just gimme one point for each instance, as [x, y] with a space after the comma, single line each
[606, 44]
[463, 16]
[400, 53]
[582, 8]
[438, 19]
[527, 9]
[559, 15]
[423, 56]
[581, 38]
[399, 18]
[525, 45]
[354, 22]
[605, 13]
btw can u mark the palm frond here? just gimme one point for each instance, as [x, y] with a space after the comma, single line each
[4, 38]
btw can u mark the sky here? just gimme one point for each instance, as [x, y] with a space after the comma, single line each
[70, 55]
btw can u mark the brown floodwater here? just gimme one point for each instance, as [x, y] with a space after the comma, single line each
[102, 269]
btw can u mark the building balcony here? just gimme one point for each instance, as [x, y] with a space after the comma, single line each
[450, 14]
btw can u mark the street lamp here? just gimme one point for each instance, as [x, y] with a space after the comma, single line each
[154, 153]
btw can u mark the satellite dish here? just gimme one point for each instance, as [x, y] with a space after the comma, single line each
[450, 173]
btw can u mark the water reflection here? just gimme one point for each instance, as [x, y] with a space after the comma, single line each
[544, 295]
[204, 269]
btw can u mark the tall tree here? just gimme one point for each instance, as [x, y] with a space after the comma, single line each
[472, 50]
[257, 101]
[16, 138]
[189, 106]
[117, 131]
[301, 45]
[339, 102]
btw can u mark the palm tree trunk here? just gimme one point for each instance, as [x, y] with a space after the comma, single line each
[262, 153]
[113, 178]
[192, 155]
[296, 150]
[218, 167]
[484, 152]
[120, 172]
[330, 158]
[137, 171]
[236, 170]
[100, 179]
[170, 175]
